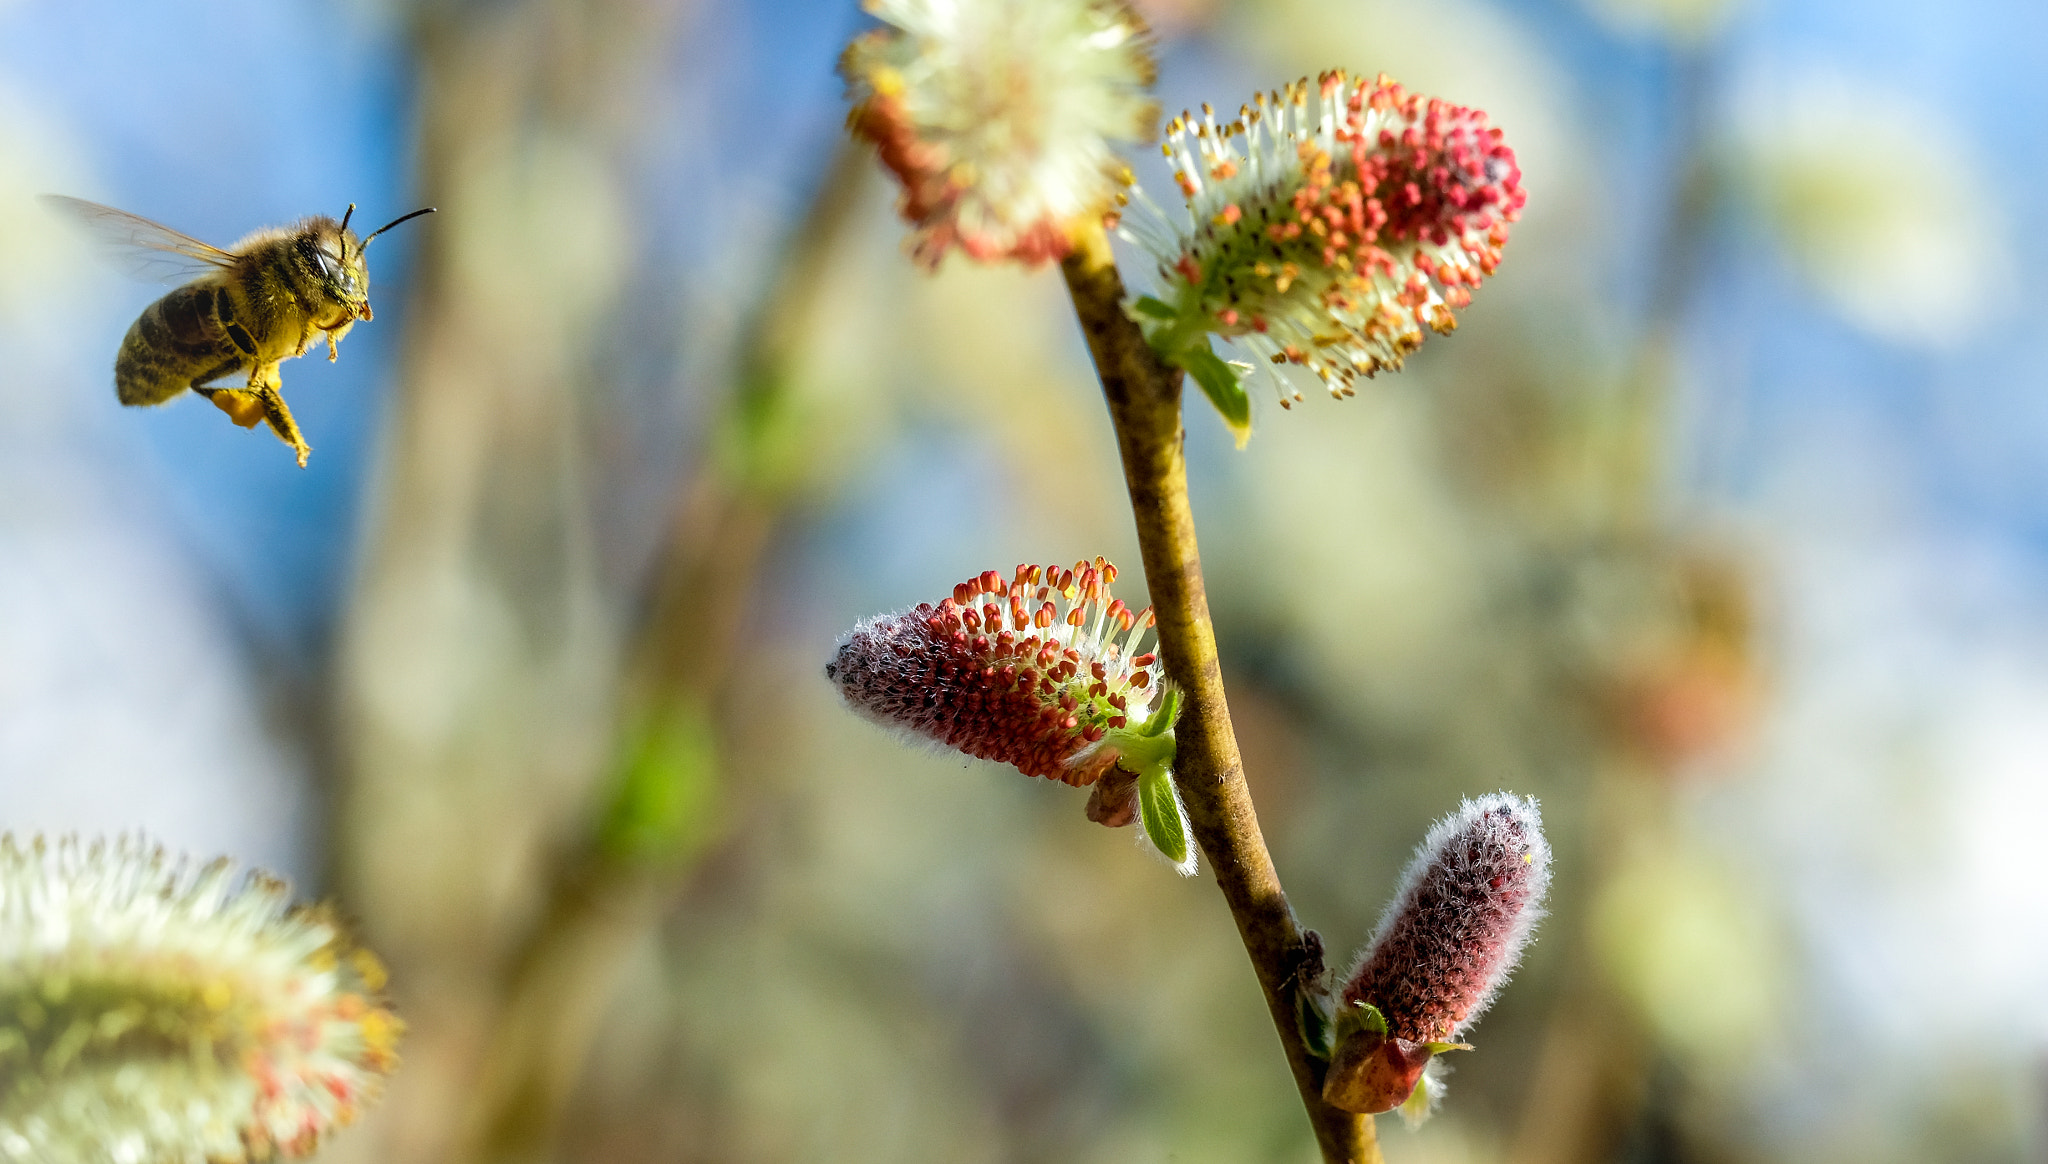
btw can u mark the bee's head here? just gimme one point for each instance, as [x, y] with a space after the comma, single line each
[336, 255]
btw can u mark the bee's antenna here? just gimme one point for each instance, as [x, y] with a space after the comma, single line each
[351, 214]
[399, 219]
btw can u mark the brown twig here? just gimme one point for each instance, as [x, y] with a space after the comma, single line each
[1144, 394]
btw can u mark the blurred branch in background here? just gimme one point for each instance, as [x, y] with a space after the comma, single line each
[1667, 689]
[479, 657]
[667, 784]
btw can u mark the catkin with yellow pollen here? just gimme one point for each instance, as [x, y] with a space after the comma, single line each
[153, 1010]
[1329, 226]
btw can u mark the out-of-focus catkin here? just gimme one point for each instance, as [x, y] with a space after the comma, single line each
[1000, 118]
[154, 1011]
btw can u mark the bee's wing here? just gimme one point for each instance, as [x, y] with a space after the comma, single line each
[146, 250]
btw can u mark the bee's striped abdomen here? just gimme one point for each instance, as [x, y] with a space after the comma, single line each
[177, 342]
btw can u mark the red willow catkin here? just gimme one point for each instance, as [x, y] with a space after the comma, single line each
[1041, 671]
[1468, 903]
[1033, 670]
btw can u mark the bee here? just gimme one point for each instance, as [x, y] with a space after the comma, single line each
[239, 312]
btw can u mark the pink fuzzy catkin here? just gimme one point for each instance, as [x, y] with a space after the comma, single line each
[1467, 905]
[1465, 909]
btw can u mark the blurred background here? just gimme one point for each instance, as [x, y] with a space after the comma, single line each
[1719, 526]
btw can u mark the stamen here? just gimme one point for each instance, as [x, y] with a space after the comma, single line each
[1341, 236]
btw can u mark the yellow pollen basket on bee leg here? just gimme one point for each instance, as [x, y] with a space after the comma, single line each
[242, 408]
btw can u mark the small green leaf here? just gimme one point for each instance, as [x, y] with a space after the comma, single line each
[1161, 722]
[1166, 824]
[1140, 751]
[1440, 1048]
[1361, 1017]
[1221, 384]
[1155, 308]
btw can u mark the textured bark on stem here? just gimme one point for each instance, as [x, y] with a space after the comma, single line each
[1143, 395]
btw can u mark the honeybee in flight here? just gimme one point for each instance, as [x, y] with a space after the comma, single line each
[240, 312]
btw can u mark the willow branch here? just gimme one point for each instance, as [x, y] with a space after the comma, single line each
[1143, 395]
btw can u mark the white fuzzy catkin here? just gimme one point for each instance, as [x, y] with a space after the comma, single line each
[1000, 117]
[153, 1010]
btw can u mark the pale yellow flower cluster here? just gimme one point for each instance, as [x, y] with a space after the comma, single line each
[999, 117]
[151, 1010]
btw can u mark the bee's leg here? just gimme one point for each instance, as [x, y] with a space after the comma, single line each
[244, 408]
[264, 382]
[333, 353]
